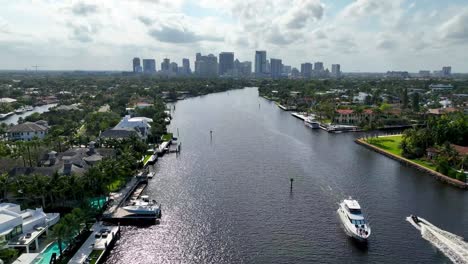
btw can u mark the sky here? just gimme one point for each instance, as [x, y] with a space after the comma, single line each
[361, 35]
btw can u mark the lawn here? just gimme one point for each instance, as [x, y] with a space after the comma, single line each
[167, 137]
[94, 256]
[388, 143]
[115, 185]
[147, 157]
[392, 145]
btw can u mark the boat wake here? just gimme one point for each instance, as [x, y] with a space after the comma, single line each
[453, 246]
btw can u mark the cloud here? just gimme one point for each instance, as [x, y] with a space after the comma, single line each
[456, 28]
[83, 9]
[302, 12]
[146, 20]
[175, 35]
[83, 33]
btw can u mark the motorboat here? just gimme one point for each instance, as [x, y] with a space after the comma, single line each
[352, 218]
[311, 122]
[143, 206]
[151, 174]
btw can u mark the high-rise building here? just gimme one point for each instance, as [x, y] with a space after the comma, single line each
[226, 63]
[318, 67]
[149, 65]
[260, 63]
[136, 65]
[165, 65]
[186, 66]
[276, 68]
[336, 70]
[206, 66]
[173, 67]
[446, 70]
[287, 69]
[424, 73]
[306, 70]
[246, 68]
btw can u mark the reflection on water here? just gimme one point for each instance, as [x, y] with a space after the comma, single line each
[227, 199]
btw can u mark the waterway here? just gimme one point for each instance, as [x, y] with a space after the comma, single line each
[226, 198]
[13, 119]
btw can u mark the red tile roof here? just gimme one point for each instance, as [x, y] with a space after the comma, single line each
[345, 111]
[461, 149]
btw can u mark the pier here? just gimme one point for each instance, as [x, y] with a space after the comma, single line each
[115, 214]
[97, 246]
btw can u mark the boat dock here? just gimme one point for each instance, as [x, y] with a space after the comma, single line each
[97, 246]
[300, 116]
[115, 214]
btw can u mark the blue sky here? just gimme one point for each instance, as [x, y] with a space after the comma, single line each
[361, 35]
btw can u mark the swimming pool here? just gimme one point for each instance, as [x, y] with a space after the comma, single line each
[46, 254]
[97, 202]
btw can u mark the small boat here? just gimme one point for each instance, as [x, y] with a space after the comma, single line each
[311, 122]
[151, 175]
[354, 223]
[28, 108]
[20, 110]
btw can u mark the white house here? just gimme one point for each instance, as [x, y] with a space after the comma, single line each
[19, 229]
[360, 98]
[27, 131]
[139, 123]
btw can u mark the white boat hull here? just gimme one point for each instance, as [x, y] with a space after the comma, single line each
[349, 229]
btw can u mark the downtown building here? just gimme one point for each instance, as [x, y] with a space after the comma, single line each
[276, 68]
[186, 67]
[136, 65]
[226, 63]
[336, 70]
[260, 64]
[149, 66]
[306, 70]
[206, 66]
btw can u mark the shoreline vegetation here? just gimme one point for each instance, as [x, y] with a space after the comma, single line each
[390, 147]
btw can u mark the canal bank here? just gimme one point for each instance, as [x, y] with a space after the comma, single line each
[227, 197]
[435, 174]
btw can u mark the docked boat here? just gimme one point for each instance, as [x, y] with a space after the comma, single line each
[311, 122]
[20, 110]
[354, 223]
[151, 174]
[143, 206]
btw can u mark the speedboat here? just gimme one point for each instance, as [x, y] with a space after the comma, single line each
[311, 122]
[151, 175]
[143, 206]
[354, 223]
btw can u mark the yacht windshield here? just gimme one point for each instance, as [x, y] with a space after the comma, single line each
[355, 211]
[358, 222]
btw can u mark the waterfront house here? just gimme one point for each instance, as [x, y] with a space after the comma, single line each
[120, 133]
[141, 124]
[441, 111]
[349, 116]
[74, 161]
[27, 131]
[22, 228]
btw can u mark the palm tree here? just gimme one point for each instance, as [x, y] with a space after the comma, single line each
[61, 232]
[4, 182]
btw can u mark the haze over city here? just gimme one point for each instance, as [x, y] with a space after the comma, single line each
[363, 35]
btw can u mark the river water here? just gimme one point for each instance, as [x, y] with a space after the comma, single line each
[13, 119]
[226, 199]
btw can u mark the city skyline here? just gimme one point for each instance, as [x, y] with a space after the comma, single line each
[363, 35]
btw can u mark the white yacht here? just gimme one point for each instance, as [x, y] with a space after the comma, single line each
[143, 206]
[354, 223]
[151, 174]
[311, 122]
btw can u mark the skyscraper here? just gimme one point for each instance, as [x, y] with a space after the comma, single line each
[276, 68]
[260, 63]
[136, 65]
[306, 70]
[226, 63]
[336, 70]
[149, 66]
[173, 67]
[165, 65]
[446, 70]
[206, 66]
[318, 67]
[186, 66]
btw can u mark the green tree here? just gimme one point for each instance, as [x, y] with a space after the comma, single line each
[415, 102]
[404, 99]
